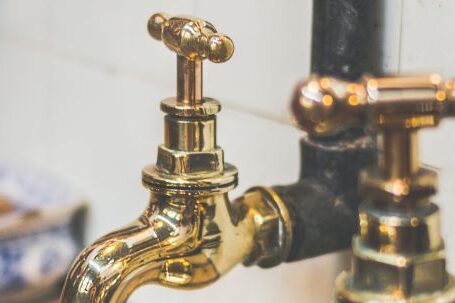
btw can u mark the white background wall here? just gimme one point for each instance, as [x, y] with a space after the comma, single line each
[81, 81]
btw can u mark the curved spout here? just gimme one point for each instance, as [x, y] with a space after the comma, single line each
[111, 268]
[178, 241]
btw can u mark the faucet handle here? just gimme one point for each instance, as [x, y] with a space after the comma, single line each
[192, 38]
[324, 106]
[396, 107]
[190, 159]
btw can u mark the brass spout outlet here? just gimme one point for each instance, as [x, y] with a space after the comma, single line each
[398, 253]
[190, 234]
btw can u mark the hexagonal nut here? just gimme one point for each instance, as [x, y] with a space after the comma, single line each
[404, 274]
[374, 186]
[184, 163]
[346, 293]
[273, 226]
[401, 230]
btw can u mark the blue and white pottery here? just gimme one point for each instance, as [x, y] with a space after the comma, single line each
[39, 237]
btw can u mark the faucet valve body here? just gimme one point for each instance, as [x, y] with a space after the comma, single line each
[189, 161]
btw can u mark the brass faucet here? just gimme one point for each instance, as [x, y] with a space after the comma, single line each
[190, 234]
[398, 253]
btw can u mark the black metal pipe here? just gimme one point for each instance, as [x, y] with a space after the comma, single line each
[323, 204]
[347, 38]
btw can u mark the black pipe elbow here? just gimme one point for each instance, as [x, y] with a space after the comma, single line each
[323, 204]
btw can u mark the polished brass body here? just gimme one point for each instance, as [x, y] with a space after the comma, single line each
[190, 234]
[399, 252]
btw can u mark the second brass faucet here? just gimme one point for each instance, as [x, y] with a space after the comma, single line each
[398, 252]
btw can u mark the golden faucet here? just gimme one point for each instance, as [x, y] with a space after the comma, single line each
[398, 253]
[190, 234]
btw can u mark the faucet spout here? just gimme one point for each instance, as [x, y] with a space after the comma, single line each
[177, 242]
[112, 267]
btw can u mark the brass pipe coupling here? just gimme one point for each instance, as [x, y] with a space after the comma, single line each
[190, 233]
[398, 253]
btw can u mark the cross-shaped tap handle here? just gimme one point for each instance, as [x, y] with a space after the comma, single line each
[323, 106]
[192, 38]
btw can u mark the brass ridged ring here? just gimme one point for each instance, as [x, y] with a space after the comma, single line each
[207, 107]
[286, 223]
[158, 181]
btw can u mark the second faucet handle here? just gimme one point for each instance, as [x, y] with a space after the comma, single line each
[324, 106]
[396, 108]
[192, 38]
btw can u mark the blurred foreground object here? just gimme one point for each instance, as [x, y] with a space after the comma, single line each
[41, 231]
[398, 252]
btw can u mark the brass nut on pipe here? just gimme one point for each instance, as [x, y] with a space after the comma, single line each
[274, 230]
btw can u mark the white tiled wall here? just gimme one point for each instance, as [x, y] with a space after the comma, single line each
[81, 81]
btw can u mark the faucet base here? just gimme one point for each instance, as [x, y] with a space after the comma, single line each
[398, 256]
[347, 294]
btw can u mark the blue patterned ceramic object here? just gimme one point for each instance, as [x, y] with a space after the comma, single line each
[41, 232]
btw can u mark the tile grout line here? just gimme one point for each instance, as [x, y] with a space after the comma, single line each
[400, 38]
[80, 60]
[258, 114]
[115, 70]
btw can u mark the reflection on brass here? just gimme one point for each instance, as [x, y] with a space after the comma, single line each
[191, 233]
[399, 252]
